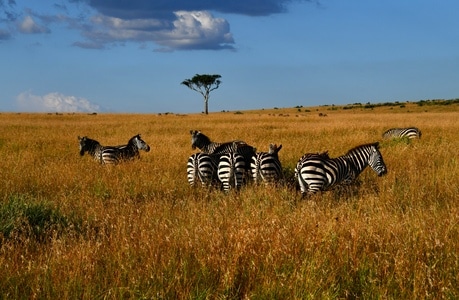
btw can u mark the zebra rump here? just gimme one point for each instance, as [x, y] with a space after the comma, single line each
[266, 166]
[409, 132]
[231, 170]
[201, 167]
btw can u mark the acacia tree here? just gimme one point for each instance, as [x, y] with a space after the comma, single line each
[203, 84]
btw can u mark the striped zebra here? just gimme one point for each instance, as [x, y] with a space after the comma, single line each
[93, 147]
[132, 149]
[266, 166]
[409, 132]
[113, 154]
[201, 141]
[319, 172]
[201, 167]
[231, 169]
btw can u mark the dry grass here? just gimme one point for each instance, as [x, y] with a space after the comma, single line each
[137, 230]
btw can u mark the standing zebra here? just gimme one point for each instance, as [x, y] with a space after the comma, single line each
[113, 154]
[131, 150]
[201, 141]
[266, 166]
[231, 169]
[202, 167]
[319, 172]
[409, 132]
[93, 147]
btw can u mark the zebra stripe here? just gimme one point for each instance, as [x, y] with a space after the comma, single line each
[409, 132]
[202, 167]
[319, 172]
[201, 141]
[266, 166]
[231, 169]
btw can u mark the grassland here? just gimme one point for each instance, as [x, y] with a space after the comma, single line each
[73, 229]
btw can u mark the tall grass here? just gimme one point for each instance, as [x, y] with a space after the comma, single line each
[72, 228]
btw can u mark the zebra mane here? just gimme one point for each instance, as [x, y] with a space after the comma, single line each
[131, 140]
[375, 144]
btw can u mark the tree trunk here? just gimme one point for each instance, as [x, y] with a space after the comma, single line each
[206, 104]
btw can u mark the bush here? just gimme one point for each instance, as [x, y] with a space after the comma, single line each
[21, 217]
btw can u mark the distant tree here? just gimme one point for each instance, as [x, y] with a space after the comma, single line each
[203, 84]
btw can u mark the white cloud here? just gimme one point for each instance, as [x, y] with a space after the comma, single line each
[54, 102]
[197, 29]
[28, 25]
[189, 30]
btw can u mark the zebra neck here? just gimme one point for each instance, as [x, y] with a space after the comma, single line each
[357, 162]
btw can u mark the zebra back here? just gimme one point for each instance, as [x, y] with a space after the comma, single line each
[231, 169]
[409, 132]
[266, 166]
[201, 167]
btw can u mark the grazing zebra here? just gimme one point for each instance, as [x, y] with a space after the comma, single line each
[201, 141]
[409, 132]
[113, 154]
[266, 166]
[319, 172]
[231, 169]
[202, 167]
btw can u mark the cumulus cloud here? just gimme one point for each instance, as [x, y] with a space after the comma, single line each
[173, 25]
[54, 102]
[190, 30]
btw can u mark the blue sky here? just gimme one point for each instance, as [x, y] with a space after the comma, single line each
[131, 56]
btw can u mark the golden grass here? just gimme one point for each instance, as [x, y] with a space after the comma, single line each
[142, 232]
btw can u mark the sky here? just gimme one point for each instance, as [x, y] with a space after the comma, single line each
[123, 56]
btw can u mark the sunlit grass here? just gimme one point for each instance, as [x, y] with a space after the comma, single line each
[137, 230]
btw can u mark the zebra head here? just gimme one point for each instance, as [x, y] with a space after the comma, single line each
[198, 139]
[274, 149]
[375, 161]
[139, 143]
[86, 144]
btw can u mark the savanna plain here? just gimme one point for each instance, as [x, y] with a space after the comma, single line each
[71, 228]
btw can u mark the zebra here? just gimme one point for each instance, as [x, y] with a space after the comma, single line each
[231, 169]
[266, 166]
[409, 132]
[319, 172]
[201, 141]
[113, 154]
[202, 167]
[93, 147]
[131, 150]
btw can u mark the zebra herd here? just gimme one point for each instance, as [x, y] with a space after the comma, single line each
[228, 164]
[232, 164]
